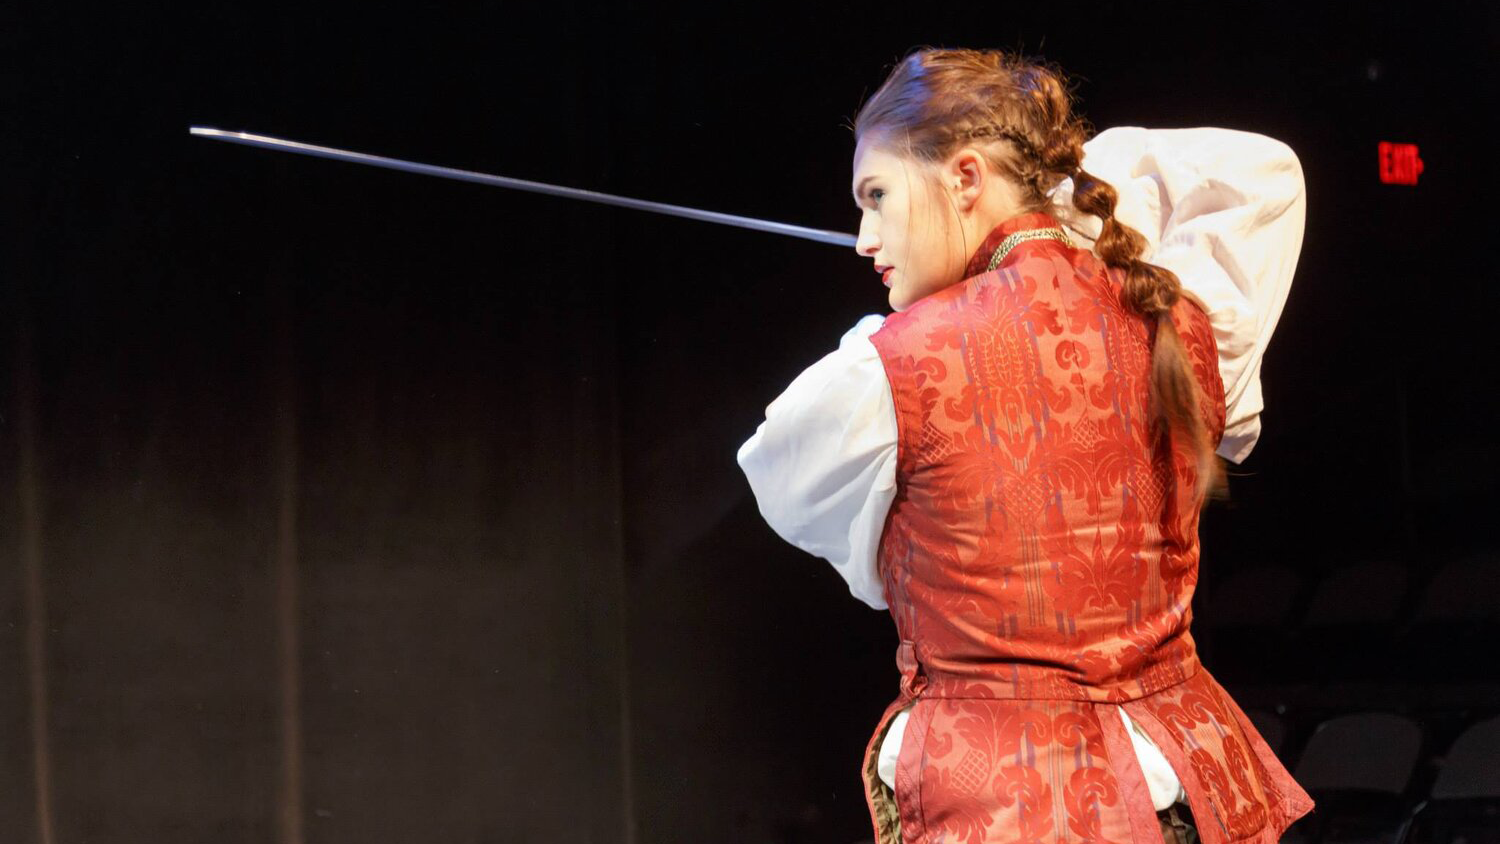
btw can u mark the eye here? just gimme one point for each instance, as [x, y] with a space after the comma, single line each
[876, 194]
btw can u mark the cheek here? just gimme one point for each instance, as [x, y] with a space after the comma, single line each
[944, 249]
[893, 232]
[890, 235]
[919, 248]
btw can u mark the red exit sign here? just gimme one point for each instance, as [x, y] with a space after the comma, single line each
[1399, 163]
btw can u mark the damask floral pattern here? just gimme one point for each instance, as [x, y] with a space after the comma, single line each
[1040, 559]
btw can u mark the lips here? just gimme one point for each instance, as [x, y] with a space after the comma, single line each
[885, 274]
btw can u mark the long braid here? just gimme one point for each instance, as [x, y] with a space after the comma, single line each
[1151, 291]
[1147, 289]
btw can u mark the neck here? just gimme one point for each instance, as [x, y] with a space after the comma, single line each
[989, 241]
[1000, 201]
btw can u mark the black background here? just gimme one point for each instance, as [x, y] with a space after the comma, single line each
[534, 598]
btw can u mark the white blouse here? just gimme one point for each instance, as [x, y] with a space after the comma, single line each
[1223, 209]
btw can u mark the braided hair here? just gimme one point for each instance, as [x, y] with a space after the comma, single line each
[1020, 113]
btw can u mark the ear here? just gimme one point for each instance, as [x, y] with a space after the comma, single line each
[964, 176]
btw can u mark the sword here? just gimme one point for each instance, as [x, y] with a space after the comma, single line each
[264, 142]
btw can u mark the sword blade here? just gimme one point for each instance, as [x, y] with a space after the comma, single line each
[265, 142]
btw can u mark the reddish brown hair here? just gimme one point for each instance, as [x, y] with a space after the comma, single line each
[1018, 113]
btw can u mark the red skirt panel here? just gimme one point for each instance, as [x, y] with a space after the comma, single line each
[982, 770]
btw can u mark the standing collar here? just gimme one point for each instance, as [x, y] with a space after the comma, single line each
[1028, 221]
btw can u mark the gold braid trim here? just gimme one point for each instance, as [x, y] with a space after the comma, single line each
[887, 814]
[1019, 237]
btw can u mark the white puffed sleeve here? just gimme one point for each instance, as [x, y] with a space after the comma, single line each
[823, 464]
[1224, 210]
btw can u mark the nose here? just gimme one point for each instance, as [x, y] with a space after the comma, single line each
[868, 243]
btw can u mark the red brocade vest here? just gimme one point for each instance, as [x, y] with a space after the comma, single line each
[1039, 560]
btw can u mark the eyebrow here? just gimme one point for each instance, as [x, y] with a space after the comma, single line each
[859, 189]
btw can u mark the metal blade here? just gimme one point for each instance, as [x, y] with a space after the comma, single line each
[821, 235]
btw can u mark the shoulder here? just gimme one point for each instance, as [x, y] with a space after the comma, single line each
[1197, 334]
[1191, 318]
[900, 325]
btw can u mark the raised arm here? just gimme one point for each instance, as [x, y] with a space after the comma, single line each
[1225, 211]
[823, 463]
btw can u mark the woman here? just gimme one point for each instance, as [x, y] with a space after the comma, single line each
[1013, 463]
